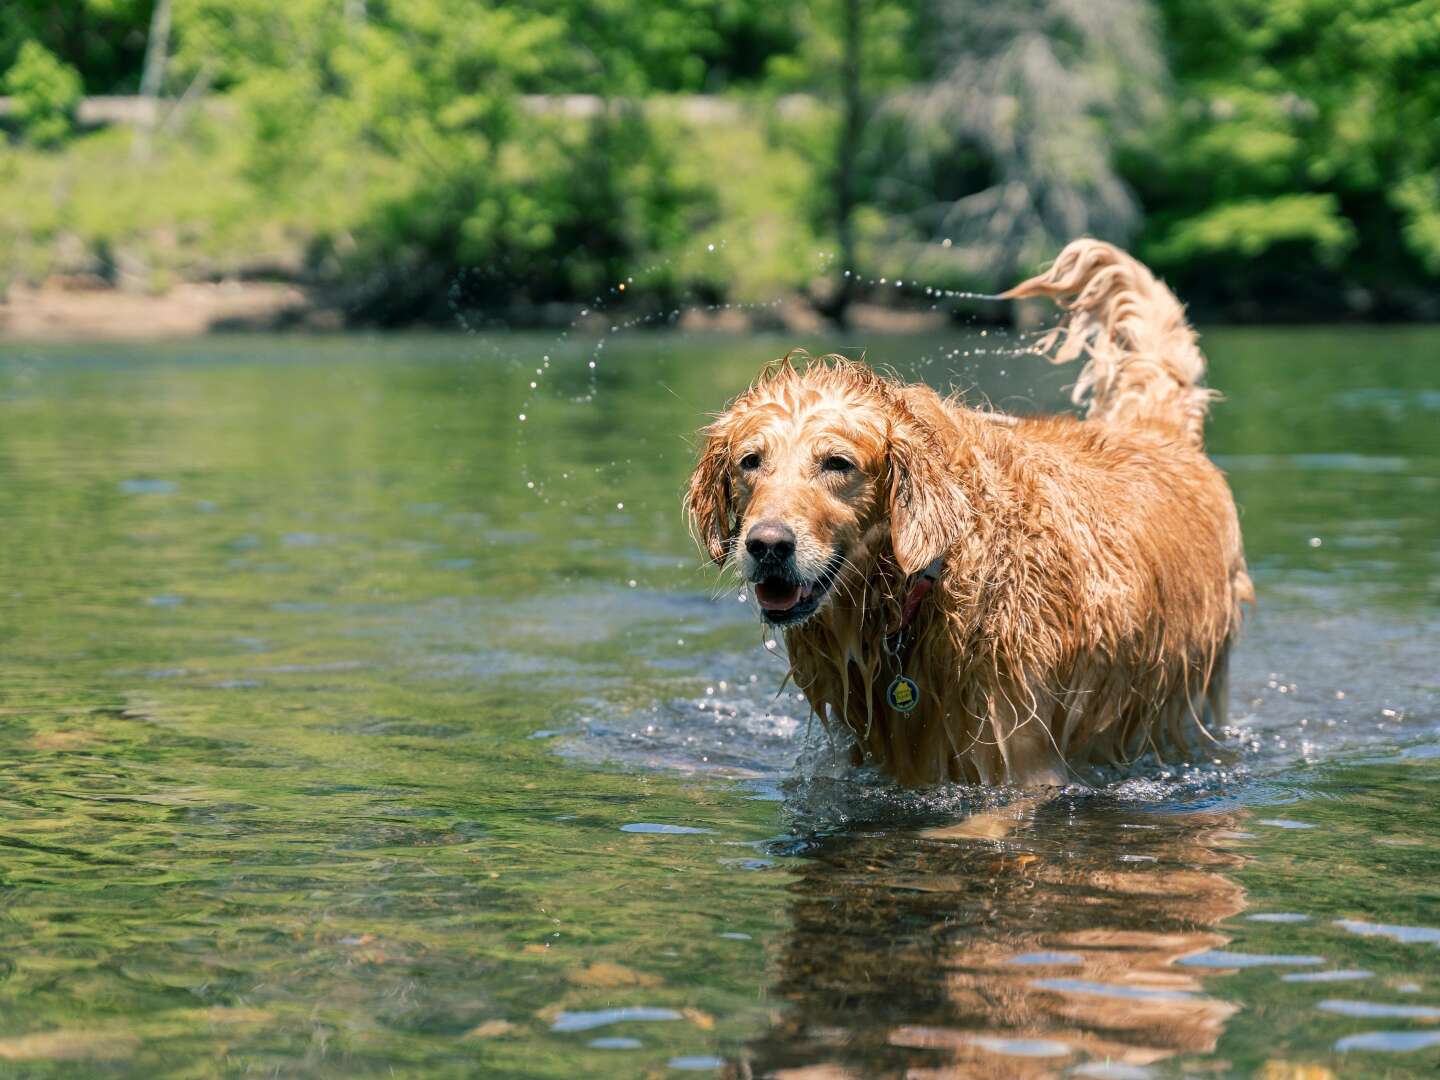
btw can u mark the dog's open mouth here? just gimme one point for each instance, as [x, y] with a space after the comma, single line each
[784, 601]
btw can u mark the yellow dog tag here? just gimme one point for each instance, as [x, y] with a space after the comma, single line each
[904, 694]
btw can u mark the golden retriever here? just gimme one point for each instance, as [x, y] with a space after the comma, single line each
[989, 599]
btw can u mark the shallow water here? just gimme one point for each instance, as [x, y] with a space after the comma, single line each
[334, 747]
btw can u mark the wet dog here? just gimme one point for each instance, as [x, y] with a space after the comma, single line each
[983, 598]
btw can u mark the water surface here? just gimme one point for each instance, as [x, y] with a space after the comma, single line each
[355, 726]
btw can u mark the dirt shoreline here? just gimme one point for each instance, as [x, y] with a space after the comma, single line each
[76, 310]
[83, 309]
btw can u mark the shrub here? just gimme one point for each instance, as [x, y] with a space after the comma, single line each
[46, 92]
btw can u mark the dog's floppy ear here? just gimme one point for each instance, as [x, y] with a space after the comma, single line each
[709, 502]
[928, 509]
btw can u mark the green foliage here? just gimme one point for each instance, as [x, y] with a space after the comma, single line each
[622, 47]
[1252, 227]
[103, 39]
[888, 56]
[185, 213]
[763, 245]
[402, 154]
[45, 92]
[636, 48]
[1307, 130]
[453, 189]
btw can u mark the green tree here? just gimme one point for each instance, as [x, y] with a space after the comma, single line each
[1302, 163]
[850, 53]
[634, 48]
[1040, 92]
[45, 92]
[102, 39]
[409, 120]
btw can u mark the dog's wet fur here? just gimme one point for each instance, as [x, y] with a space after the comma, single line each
[1092, 575]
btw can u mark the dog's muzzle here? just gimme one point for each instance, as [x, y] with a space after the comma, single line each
[786, 598]
[785, 595]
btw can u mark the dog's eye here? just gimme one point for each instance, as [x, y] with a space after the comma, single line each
[837, 464]
[750, 461]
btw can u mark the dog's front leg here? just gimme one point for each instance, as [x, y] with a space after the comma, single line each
[1024, 741]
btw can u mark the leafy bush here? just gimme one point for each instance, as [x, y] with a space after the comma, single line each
[1250, 228]
[102, 39]
[431, 184]
[45, 94]
[1300, 155]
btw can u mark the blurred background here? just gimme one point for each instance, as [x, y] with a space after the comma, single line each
[340, 163]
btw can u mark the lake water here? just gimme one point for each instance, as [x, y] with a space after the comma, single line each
[354, 726]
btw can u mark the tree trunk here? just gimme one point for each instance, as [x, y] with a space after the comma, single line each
[852, 120]
[157, 51]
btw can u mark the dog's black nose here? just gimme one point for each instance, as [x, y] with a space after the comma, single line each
[769, 541]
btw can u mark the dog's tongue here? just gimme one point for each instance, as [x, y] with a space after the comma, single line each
[775, 595]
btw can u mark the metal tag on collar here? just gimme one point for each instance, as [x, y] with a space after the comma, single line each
[903, 694]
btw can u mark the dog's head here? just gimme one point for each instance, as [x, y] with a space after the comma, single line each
[803, 466]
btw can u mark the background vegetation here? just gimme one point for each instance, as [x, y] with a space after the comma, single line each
[1275, 158]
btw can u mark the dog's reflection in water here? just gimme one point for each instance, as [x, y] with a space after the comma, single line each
[1020, 943]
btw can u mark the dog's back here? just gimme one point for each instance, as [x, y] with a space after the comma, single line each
[1143, 372]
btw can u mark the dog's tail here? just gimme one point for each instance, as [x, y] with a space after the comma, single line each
[1143, 363]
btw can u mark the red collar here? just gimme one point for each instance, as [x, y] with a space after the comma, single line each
[923, 584]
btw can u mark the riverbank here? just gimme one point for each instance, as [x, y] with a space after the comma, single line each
[78, 310]
[84, 307]
[81, 308]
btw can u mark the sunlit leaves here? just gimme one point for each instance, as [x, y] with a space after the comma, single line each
[1313, 124]
[45, 91]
